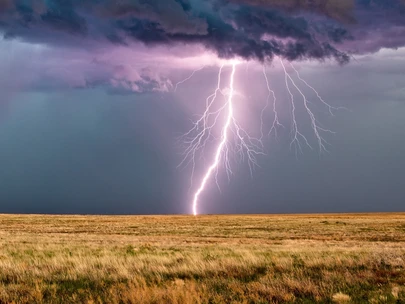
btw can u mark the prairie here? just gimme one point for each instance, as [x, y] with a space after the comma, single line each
[311, 258]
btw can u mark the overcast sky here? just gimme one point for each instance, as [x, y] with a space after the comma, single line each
[90, 121]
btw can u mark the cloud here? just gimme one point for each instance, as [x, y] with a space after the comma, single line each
[379, 24]
[337, 9]
[251, 29]
[165, 30]
[231, 29]
[125, 79]
[37, 68]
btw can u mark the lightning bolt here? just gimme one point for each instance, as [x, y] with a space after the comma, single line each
[188, 78]
[221, 144]
[202, 132]
[296, 134]
[233, 138]
[317, 129]
[276, 122]
[331, 108]
[202, 127]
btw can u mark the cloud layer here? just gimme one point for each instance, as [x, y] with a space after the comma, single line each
[130, 45]
[251, 29]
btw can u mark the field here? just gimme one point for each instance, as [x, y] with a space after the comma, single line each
[336, 258]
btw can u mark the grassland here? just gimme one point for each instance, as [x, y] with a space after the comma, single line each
[344, 258]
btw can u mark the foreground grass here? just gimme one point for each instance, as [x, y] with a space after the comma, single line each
[208, 259]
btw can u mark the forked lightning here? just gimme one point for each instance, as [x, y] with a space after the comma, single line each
[233, 138]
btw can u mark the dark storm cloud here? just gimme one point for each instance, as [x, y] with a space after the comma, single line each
[251, 29]
[380, 24]
[336, 9]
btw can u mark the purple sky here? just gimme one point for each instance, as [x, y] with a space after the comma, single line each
[90, 119]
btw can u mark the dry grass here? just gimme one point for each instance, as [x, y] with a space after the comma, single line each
[346, 258]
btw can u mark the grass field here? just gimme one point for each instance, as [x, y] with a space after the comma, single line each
[341, 258]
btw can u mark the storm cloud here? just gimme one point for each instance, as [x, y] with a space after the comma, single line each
[250, 29]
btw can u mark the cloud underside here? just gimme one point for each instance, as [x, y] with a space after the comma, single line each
[250, 29]
[131, 45]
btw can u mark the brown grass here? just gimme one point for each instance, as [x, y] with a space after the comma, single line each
[336, 258]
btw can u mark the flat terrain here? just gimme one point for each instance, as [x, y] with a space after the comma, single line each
[337, 258]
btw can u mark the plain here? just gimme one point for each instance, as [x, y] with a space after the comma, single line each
[325, 258]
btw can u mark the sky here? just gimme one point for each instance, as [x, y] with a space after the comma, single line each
[94, 106]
